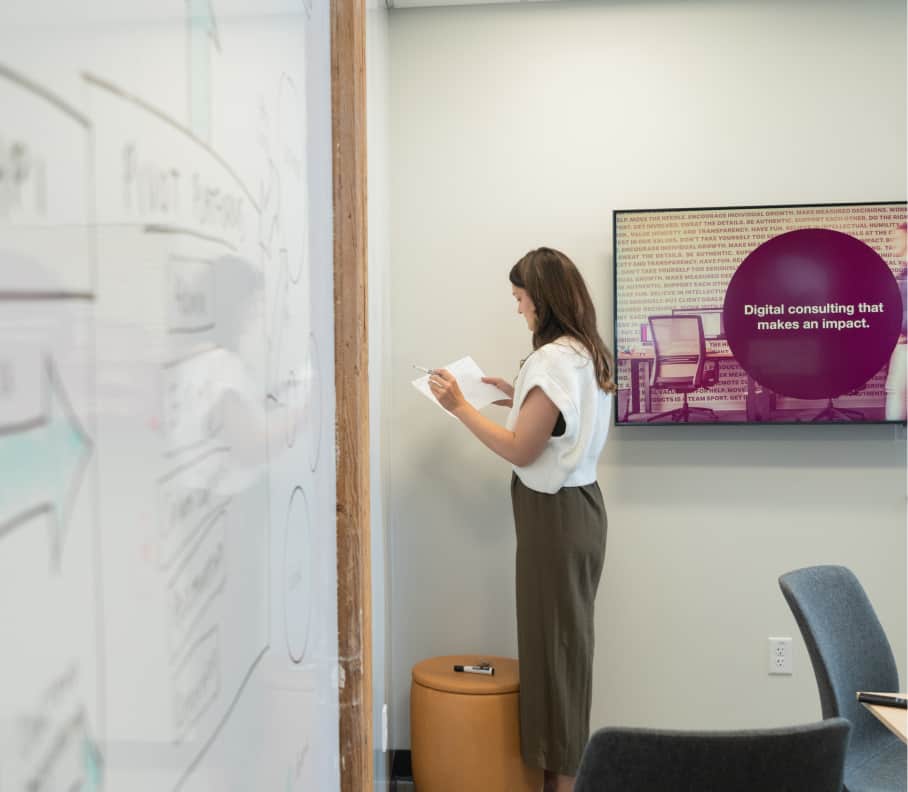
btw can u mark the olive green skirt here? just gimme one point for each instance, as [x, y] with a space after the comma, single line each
[560, 553]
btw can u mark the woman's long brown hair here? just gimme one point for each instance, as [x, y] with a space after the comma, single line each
[563, 306]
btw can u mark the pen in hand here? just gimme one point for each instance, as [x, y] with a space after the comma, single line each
[420, 368]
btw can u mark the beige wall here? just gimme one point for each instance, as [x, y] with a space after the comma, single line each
[514, 126]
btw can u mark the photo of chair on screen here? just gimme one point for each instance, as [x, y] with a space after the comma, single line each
[680, 363]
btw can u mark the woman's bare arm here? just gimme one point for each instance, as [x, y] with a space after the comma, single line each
[520, 447]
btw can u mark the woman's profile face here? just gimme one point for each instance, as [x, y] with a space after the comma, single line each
[525, 306]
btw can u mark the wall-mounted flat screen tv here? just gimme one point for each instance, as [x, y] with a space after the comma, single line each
[761, 314]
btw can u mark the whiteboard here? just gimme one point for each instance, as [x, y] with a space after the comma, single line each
[167, 478]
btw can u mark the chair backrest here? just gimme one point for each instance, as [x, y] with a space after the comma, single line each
[680, 350]
[848, 648]
[808, 758]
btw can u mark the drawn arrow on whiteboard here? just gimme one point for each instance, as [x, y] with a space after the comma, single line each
[41, 463]
[203, 33]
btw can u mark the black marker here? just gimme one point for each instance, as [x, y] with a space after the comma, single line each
[882, 699]
[475, 669]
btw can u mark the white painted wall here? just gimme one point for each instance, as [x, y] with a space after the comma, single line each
[379, 251]
[514, 126]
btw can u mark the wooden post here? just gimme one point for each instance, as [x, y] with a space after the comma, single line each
[351, 381]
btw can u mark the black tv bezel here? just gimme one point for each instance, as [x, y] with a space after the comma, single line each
[616, 212]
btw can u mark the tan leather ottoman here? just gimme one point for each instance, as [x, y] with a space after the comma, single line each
[465, 728]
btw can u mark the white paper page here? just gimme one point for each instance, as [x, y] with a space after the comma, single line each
[469, 376]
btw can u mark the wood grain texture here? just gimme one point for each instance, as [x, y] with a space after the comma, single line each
[351, 356]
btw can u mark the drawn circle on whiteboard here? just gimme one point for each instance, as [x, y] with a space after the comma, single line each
[314, 403]
[297, 580]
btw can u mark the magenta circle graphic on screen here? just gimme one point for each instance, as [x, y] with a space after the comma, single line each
[812, 313]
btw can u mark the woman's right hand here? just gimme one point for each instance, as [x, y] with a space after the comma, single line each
[505, 387]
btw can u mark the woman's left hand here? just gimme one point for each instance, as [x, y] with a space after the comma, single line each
[445, 388]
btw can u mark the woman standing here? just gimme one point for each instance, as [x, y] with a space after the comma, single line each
[554, 434]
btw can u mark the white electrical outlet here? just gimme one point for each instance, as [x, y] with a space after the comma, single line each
[384, 728]
[780, 655]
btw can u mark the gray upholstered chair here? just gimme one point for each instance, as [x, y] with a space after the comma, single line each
[806, 758]
[849, 652]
